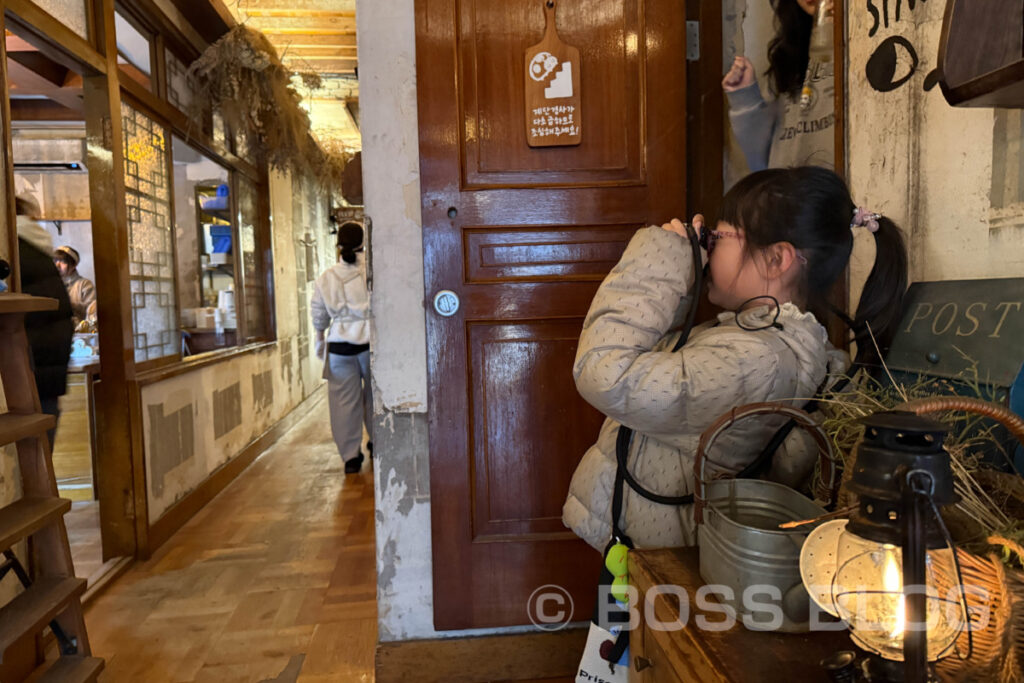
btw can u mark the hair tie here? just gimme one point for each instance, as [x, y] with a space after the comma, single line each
[863, 218]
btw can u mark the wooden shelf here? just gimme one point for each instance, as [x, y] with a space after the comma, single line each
[24, 517]
[24, 303]
[15, 427]
[30, 611]
[71, 669]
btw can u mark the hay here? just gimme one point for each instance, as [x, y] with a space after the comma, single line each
[243, 78]
[991, 502]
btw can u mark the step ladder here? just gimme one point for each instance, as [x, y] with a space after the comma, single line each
[53, 597]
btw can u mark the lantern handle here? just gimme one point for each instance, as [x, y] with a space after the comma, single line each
[826, 487]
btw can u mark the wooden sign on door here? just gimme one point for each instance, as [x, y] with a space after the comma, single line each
[553, 115]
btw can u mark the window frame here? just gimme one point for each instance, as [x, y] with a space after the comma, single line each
[175, 123]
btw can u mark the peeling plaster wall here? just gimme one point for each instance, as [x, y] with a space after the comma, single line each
[927, 165]
[391, 191]
[196, 422]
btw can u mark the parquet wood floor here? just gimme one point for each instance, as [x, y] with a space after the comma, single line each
[273, 581]
[83, 524]
[72, 452]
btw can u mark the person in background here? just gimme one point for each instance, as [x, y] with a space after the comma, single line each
[49, 332]
[797, 127]
[80, 289]
[341, 311]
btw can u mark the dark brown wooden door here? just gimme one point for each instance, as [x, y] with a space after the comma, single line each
[523, 236]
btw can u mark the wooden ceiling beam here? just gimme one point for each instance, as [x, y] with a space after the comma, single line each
[338, 66]
[25, 81]
[340, 52]
[42, 110]
[314, 14]
[296, 5]
[312, 26]
[308, 40]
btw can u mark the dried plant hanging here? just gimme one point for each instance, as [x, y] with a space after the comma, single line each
[244, 79]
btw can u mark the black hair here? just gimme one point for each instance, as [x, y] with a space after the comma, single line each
[350, 238]
[22, 207]
[810, 207]
[789, 50]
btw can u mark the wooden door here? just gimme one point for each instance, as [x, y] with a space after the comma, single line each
[523, 236]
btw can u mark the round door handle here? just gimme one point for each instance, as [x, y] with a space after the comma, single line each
[446, 303]
[452, 212]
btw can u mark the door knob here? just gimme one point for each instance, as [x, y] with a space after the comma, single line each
[446, 303]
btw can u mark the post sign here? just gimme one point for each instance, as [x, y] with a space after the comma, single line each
[945, 321]
[552, 81]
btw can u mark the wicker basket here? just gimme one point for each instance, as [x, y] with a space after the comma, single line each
[998, 638]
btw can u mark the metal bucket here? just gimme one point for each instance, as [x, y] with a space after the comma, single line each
[742, 549]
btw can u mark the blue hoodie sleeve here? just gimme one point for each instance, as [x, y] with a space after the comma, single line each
[753, 122]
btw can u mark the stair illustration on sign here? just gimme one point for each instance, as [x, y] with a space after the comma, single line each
[561, 84]
[52, 595]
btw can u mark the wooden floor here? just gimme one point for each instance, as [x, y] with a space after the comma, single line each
[72, 453]
[273, 581]
[83, 524]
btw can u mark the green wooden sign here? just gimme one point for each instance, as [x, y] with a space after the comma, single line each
[948, 325]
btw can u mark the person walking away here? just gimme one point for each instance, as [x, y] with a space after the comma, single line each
[49, 332]
[341, 316]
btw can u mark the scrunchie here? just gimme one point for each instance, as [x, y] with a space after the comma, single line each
[863, 218]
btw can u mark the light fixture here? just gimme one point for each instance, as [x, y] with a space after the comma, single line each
[877, 571]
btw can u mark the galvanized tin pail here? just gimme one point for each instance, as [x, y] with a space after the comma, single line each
[742, 549]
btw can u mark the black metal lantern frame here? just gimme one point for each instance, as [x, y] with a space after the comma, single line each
[901, 476]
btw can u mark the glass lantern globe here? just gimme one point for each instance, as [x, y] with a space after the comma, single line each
[860, 581]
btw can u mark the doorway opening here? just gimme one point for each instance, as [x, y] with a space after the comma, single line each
[51, 180]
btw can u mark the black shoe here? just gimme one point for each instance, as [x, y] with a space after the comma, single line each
[354, 465]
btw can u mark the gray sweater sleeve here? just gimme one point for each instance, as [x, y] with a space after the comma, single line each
[753, 122]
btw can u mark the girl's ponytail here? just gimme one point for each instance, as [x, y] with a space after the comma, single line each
[881, 303]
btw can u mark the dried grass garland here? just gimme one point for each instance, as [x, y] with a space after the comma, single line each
[244, 79]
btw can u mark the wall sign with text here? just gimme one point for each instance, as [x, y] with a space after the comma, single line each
[552, 81]
[948, 325]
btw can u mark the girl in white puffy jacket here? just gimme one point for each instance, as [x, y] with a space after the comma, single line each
[341, 316]
[783, 240]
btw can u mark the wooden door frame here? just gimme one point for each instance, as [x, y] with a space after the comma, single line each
[118, 456]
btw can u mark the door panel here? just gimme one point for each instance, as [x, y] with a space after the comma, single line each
[491, 58]
[539, 253]
[523, 236]
[517, 433]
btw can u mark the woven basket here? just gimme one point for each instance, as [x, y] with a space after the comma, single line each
[998, 638]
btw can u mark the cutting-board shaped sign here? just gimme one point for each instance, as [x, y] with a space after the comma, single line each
[553, 114]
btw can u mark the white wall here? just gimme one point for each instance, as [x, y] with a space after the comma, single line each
[294, 372]
[927, 165]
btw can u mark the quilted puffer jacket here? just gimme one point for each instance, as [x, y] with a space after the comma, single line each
[625, 368]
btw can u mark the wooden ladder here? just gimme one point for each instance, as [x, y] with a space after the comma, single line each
[54, 594]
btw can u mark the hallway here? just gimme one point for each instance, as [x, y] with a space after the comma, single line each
[274, 580]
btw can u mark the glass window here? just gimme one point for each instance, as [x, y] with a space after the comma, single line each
[254, 271]
[71, 13]
[179, 85]
[134, 53]
[205, 239]
[150, 247]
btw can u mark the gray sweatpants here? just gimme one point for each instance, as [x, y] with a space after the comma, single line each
[350, 394]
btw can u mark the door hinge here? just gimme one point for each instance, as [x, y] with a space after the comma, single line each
[692, 41]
